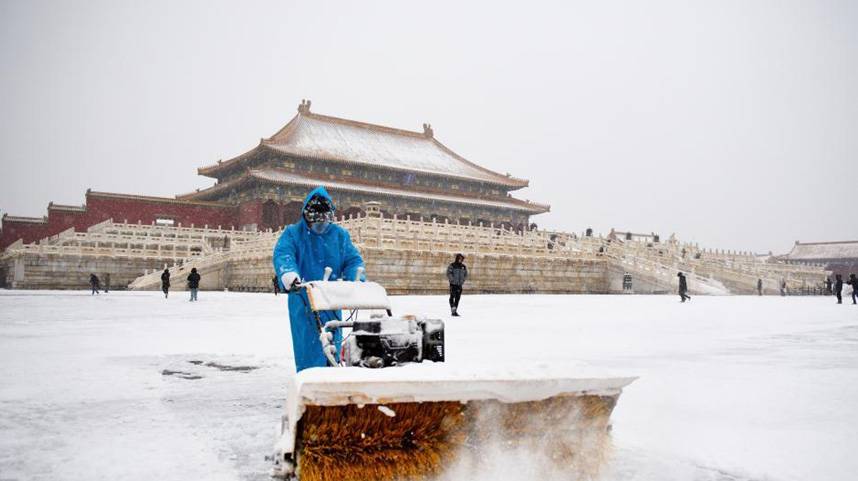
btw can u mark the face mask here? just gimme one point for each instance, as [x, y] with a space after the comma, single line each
[319, 227]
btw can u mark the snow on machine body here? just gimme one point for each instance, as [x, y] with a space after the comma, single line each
[416, 420]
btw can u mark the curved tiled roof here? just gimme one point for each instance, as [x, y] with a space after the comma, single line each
[148, 198]
[289, 178]
[71, 208]
[19, 218]
[317, 136]
[824, 250]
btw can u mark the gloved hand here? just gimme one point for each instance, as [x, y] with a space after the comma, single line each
[290, 281]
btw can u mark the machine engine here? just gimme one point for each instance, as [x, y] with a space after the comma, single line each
[389, 341]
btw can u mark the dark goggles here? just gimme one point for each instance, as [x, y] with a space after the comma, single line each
[319, 209]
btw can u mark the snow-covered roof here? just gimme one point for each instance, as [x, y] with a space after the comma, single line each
[317, 136]
[18, 218]
[147, 198]
[73, 208]
[824, 250]
[283, 177]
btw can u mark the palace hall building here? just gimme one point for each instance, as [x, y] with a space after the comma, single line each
[409, 174]
[838, 257]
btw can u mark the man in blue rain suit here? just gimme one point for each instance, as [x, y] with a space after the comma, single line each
[301, 254]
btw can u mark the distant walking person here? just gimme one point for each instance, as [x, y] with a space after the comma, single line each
[783, 287]
[457, 273]
[838, 288]
[165, 282]
[683, 287]
[828, 286]
[95, 284]
[276, 283]
[854, 283]
[759, 287]
[193, 283]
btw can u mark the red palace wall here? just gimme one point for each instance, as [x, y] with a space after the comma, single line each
[58, 218]
[250, 213]
[134, 209]
[28, 231]
[146, 210]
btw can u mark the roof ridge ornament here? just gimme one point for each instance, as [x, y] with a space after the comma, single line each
[304, 106]
[428, 132]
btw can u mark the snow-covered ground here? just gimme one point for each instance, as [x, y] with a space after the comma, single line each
[132, 386]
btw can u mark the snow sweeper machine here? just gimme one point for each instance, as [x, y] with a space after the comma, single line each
[391, 409]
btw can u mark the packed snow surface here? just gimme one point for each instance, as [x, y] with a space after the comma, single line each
[133, 386]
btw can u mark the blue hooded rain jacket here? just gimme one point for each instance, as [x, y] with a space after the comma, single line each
[307, 253]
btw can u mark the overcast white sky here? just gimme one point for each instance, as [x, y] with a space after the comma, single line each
[731, 123]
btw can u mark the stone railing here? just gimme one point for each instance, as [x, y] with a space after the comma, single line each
[99, 251]
[170, 232]
[393, 243]
[259, 248]
[110, 239]
[708, 270]
[406, 234]
[664, 274]
[151, 279]
[109, 225]
[658, 260]
[129, 241]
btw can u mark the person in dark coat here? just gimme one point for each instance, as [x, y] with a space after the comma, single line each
[95, 284]
[276, 283]
[854, 283]
[165, 282]
[828, 286]
[683, 287]
[838, 288]
[193, 283]
[457, 274]
[759, 287]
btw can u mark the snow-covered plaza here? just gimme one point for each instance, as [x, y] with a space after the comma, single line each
[128, 385]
